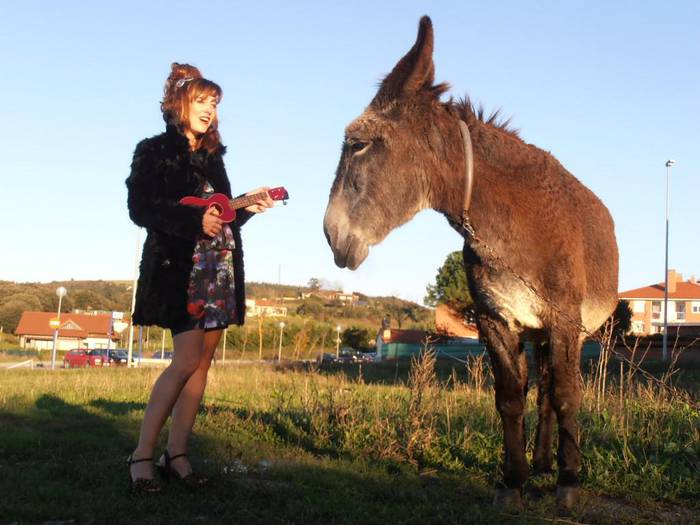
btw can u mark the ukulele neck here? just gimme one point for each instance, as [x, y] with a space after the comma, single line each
[246, 200]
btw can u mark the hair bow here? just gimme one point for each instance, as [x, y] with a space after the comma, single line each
[182, 82]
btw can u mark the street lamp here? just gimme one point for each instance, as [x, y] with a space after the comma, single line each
[134, 283]
[337, 343]
[664, 354]
[60, 291]
[279, 354]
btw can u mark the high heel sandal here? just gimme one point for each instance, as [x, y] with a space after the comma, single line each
[191, 481]
[141, 485]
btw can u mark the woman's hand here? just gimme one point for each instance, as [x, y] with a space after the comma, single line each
[211, 224]
[261, 204]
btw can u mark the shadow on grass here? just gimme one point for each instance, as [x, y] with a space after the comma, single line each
[297, 429]
[117, 408]
[61, 461]
[291, 427]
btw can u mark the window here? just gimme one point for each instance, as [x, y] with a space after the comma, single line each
[638, 327]
[638, 307]
[656, 309]
[680, 310]
[695, 307]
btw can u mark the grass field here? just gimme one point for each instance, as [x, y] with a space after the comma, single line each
[380, 444]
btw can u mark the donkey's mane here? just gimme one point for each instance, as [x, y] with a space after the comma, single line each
[470, 113]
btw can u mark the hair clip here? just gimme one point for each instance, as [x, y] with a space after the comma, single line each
[182, 82]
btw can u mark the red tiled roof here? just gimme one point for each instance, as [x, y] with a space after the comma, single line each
[406, 336]
[72, 325]
[267, 302]
[684, 290]
[450, 323]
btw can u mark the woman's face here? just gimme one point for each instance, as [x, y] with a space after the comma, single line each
[202, 113]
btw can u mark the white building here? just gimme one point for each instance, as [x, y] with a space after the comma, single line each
[75, 331]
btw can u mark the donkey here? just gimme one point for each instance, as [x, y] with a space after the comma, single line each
[539, 247]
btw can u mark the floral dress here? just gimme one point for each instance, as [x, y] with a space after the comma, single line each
[211, 300]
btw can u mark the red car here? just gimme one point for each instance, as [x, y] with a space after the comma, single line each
[80, 358]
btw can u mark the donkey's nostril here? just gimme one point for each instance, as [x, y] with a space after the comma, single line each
[328, 236]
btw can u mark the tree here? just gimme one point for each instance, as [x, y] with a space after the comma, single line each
[86, 299]
[314, 284]
[401, 311]
[310, 308]
[356, 337]
[622, 317]
[451, 288]
[12, 308]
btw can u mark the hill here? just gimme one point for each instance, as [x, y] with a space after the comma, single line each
[301, 301]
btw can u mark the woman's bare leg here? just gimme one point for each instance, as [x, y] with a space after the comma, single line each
[186, 407]
[187, 354]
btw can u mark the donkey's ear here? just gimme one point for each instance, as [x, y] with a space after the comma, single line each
[413, 72]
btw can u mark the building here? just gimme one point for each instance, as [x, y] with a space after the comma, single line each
[84, 330]
[256, 307]
[396, 344]
[449, 322]
[333, 295]
[647, 305]
[348, 298]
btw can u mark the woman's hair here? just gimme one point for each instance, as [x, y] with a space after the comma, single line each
[184, 84]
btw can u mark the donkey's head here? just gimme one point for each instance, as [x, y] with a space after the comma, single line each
[389, 152]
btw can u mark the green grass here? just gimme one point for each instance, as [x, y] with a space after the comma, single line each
[286, 445]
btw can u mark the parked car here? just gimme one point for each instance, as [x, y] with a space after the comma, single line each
[121, 356]
[167, 354]
[365, 357]
[347, 355]
[117, 356]
[81, 358]
[327, 357]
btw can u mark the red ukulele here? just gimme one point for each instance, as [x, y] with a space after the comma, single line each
[227, 207]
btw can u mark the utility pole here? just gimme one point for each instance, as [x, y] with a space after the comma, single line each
[279, 354]
[60, 291]
[337, 343]
[664, 354]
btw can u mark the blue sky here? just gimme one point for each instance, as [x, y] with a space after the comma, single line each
[612, 89]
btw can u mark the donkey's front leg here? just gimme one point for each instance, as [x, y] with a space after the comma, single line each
[510, 373]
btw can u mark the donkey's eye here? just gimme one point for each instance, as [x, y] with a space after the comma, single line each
[356, 147]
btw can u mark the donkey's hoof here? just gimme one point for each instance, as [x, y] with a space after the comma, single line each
[567, 498]
[508, 498]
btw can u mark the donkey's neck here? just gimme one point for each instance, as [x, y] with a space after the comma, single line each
[446, 187]
[515, 186]
[492, 177]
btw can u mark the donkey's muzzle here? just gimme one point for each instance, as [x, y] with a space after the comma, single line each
[349, 251]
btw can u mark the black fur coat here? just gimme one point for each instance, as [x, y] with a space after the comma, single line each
[162, 172]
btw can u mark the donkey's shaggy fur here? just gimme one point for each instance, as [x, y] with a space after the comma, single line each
[533, 222]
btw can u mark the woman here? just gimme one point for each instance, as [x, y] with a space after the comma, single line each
[191, 276]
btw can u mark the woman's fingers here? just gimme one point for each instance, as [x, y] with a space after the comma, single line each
[211, 224]
[262, 203]
[265, 202]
